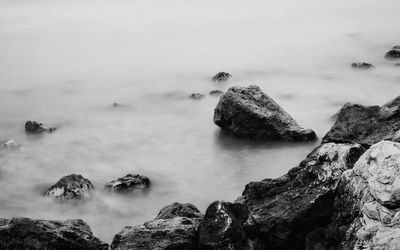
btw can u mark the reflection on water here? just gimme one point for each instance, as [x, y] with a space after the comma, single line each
[65, 63]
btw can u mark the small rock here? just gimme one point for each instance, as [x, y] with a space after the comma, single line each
[221, 77]
[393, 54]
[10, 144]
[196, 96]
[129, 183]
[362, 65]
[216, 92]
[176, 209]
[33, 127]
[71, 187]
[115, 105]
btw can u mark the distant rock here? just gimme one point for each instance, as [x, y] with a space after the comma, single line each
[128, 183]
[115, 105]
[25, 233]
[176, 209]
[10, 144]
[362, 65]
[249, 112]
[397, 47]
[221, 77]
[196, 96]
[216, 92]
[33, 127]
[393, 54]
[71, 187]
[365, 125]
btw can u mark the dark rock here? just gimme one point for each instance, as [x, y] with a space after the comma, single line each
[227, 226]
[176, 209]
[115, 105]
[248, 112]
[196, 96]
[216, 92]
[33, 127]
[287, 209]
[397, 47]
[393, 54]
[129, 183]
[221, 77]
[365, 125]
[362, 65]
[71, 187]
[25, 233]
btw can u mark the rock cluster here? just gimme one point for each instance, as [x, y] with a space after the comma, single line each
[362, 65]
[221, 77]
[33, 127]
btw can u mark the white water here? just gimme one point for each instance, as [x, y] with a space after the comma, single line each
[64, 62]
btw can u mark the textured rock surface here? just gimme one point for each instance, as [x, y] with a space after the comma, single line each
[71, 187]
[393, 54]
[128, 183]
[176, 209]
[221, 77]
[288, 208]
[362, 65]
[24, 233]
[366, 125]
[33, 127]
[248, 112]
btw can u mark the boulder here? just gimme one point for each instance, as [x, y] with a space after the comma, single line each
[216, 92]
[288, 208]
[128, 183]
[393, 54]
[196, 96]
[25, 233]
[249, 112]
[221, 77]
[362, 65]
[176, 209]
[32, 127]
[365, 125]
[71, 187]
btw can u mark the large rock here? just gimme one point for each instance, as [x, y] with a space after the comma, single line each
[288, 208]
[366, 125]
[249, 112]
[129, 183]
[177, 209]
[33, 127]
[228, 226]
[25, 233]
[71, 187]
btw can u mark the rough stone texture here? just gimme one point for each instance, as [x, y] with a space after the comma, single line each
[393, 54]
[366, 125]
[176, 209]
[228, 226]
[221, 77]
[33, 127]
[25, 233]
[196, 96]
[362, 65]
[71, 187]
[216, 92]
[249, 112]
[129, 183]
[288, 208]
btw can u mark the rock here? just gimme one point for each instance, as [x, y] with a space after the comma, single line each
[10, 144]
[115, 105]
[129, 183]
[221, 77]
[393, 54]
[397, 65]
[176, 209]
[362, 65]
[365, 125]
[196, 96]
[33, 127]
[227, 226]
[397, 47]
[216, 92]
[25, 233]
[248, 112]
[71, 187]
[290, 207]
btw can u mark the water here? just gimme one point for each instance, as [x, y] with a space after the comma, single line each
[65, 62]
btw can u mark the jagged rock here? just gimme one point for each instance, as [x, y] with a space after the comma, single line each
[288, 208]
[249, 112]
[366, 125]
[176, 209]
[25, 233]
[393, 54]
[216, 92]
[196, 96]
[71, 187]
[221, 77]
[10, 144]
[362, 65]
[33, 127]
[128, 183]
[228, 226]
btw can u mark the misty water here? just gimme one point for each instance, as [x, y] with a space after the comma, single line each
[65, 62]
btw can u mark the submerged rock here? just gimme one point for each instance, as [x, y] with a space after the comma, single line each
[216, 92]
[71, 187]
[33, 127]
[221, 77]
[288, 208]
[362, 65]
[196, 96]
[366, 125]
[393, 54]
[10, 144]
[176, 209]
[116, 105]
[128, 183]
[25, 233]
[249, 112]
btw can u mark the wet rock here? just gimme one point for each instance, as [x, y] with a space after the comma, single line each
[128, 183]
[196, 96]
[33, 127]
[10, 144]
[249, 112]
[227, 226]
[221, 77]
[216, 92]
[25, 233]
[71, 187]
[365, 125]
[393, 54]
[288, 208]
[176, 209]
[362, 65]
